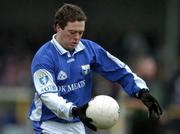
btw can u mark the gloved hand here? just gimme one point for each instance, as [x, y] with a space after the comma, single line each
[81, 113]
[151, 103]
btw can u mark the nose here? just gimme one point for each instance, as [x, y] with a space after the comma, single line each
[77, 36]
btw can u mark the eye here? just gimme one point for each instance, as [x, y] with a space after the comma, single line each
[76, 32]
[72, 32]
[80, 33]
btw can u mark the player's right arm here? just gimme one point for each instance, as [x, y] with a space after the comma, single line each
[44, 82]
[48, 92]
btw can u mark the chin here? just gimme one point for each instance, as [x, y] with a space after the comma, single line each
[73, 46]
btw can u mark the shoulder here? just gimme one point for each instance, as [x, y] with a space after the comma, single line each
[44, 55]
[90, 44]
[45, 49]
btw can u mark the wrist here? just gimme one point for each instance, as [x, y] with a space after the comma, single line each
[143, 92]
[74, 111]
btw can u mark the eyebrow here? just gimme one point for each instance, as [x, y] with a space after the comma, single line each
[76, 30]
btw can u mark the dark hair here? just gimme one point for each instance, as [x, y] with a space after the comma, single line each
[68, 13]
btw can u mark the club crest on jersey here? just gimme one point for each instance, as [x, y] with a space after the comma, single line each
[44, 80]
[85, 69]
[61, 75]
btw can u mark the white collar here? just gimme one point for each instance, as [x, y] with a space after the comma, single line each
[61, 50]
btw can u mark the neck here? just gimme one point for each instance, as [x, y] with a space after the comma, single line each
[57, 39]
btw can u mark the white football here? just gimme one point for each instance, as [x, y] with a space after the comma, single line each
[104, 111]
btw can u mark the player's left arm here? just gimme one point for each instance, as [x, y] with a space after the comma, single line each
[117, 71]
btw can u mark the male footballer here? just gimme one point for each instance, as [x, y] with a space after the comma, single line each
[62, 74]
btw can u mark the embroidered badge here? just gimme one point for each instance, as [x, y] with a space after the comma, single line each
[85, 69]
[44, 80]
[61, 75]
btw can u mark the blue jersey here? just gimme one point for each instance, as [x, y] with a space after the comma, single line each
[63, 79]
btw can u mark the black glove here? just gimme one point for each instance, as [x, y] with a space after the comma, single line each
[151, 103]
[81, 113]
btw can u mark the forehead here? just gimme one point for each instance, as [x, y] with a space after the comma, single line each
[77, 25]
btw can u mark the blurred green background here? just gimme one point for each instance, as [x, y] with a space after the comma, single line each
[142, 33]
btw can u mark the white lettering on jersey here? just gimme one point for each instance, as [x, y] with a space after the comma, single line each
[72, 87]
[62, 88]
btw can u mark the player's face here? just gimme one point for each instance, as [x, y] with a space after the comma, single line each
[70, 36]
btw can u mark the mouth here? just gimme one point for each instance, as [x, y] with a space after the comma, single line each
[75, 43]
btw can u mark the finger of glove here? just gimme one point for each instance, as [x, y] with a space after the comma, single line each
[150, 113]
[86, 119]
[157, 109]
[153, 115]
[151, 102]
[154, 112]
[91, 126]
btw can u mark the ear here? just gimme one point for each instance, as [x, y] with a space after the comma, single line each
[57, 28]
